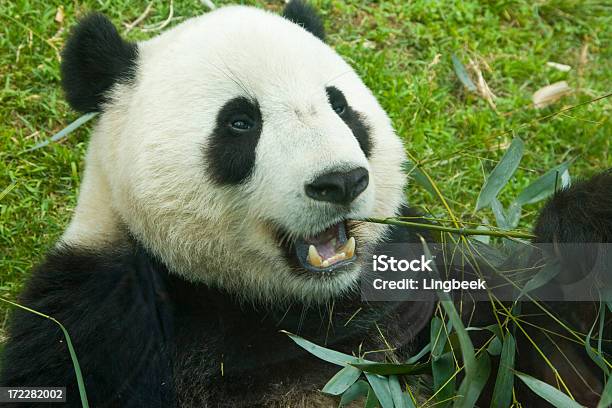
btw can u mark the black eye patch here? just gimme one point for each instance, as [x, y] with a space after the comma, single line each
[230, 152]
[353, 119]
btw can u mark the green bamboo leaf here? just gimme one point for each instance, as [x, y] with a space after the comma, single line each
[393, 369]
[380, 385]
[417, 174]
[462, 74]
[342, 380]
[502, 393]
[331, 356]
[371, 400]
[499, 213]
[501, 174]
[513, 215]
[443, 368]
[472, 386]
[606, 395]
[544, 275]
[437, 336]
[544, 186]
[549, 393]
[357, 390]
[597, 357]
[495, 347]
[420, 354]
[400, 398]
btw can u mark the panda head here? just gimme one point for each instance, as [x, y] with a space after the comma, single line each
[238, 148]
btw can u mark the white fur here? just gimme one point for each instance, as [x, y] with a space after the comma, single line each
[146, 164]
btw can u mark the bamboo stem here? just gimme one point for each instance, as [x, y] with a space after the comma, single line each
[459, 231]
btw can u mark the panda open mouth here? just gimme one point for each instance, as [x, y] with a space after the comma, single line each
[326, 251]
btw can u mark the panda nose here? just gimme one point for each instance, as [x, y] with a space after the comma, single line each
[338, 187]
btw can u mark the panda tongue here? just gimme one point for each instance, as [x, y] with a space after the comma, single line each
[326, 242]
[327, 248]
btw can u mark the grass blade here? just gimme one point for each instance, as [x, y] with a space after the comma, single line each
[501, 174]
[73, 356]
[554, 397]
[65, 131]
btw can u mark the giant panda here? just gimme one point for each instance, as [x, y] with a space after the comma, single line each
[232, 159]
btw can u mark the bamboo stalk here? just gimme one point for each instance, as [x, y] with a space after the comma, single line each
[459, 231]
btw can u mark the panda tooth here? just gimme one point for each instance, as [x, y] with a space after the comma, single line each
[325, 263]
[313, 256]
[349, 248]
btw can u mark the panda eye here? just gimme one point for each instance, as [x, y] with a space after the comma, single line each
[241, 123]
[339, 108]
[336, 100]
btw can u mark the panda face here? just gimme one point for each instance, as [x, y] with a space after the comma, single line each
[244, 152]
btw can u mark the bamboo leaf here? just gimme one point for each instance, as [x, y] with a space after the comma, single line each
[597, 358]
[501, 174]
[359, 389]
[462, 74]
[437, 336]
[443, 369]
[331, 356]
[400, 398]
[544, 275]
[419, 355]
[472, 386]
[371, 401]
[417, 174]
[549, 393]
[380, 385]
[495, 347]
[606, 395]
[342, 380]
[393, 369]
[502, 393]
[544, 186]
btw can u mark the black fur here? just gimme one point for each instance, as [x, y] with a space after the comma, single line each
[94, 59]
[230, 154]
[353, 119]
[580, 214]
[304, 15]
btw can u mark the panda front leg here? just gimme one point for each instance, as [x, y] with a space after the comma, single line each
[113, 304]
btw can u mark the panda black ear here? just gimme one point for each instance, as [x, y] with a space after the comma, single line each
[94, 59]
[306, 16]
